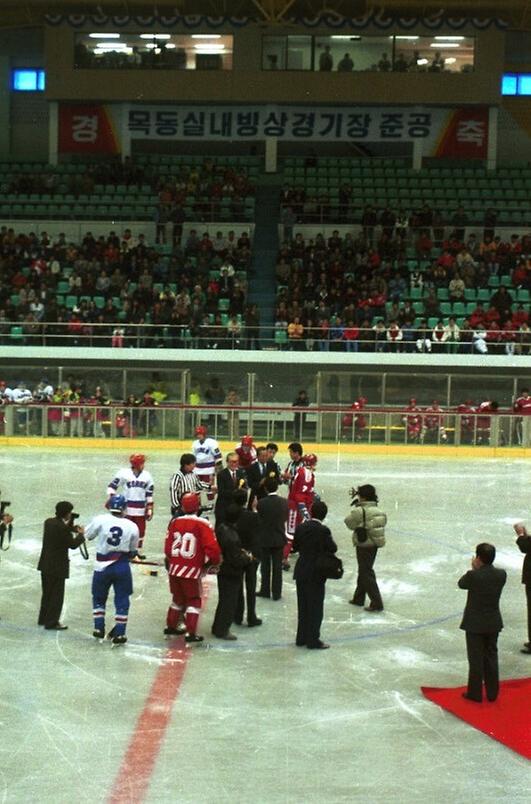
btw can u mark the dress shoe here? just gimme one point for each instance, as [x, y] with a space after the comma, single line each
[527, 644]
[318, 646]
[373, 608]
[228, 636]
[355, 603]
[56, 627]
[262, 594]
[469, 698]
[300, 644]
[526, 650]
[277, 597]
[252, 623]
[237, 622]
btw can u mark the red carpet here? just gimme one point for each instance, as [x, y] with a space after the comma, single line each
[507, 720]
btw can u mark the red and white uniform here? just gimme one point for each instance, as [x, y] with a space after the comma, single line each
[190, 544]
[413, 422]
[522, 405]
[356, 418]
[433, 420]
[138, 491]
[246, 455]
[207, 455]
[300, 499]
[466, 411]
[483, 419]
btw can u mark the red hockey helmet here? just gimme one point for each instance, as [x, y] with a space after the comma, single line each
[201, 431]
[362, 400]
[190, 503]
[137, 460]
[247, 441]
[310, 460]
[412, 401]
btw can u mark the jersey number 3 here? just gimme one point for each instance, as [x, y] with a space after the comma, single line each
[184, 545]
[114, 538]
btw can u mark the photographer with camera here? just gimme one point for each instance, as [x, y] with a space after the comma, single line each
[368, 525]
[60, 536]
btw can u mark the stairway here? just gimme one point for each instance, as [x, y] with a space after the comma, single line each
[265, 249]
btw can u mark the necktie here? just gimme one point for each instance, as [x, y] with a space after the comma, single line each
[233, 478]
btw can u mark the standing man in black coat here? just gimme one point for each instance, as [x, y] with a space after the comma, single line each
[248, 527]
[482, 622]
[524, 543]
[258, 472]
[273, 515]
[230, 574]
[312, 538]
[228, 480]
[60, 536]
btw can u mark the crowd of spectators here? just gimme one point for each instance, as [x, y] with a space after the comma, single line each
[349, 293]
[123, 290]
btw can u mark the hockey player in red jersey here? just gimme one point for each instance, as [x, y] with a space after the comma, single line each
[434, 422]
[522, 406]
[190, 546]
[300, 498]
[466, 421]
[355, 419]
[136, 484]
[413, 421]
[483, 421]
[246, 452]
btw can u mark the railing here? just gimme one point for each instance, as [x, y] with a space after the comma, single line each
[210, 336]
[382, 425]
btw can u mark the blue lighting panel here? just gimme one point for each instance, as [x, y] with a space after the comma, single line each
[524, 84]
[509, 84]
[25, 80]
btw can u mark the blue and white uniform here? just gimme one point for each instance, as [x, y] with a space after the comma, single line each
[136, 488]
[207, 455]
[117, 542]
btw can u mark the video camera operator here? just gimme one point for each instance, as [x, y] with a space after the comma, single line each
[61, 534]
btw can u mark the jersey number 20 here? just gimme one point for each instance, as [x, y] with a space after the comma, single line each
[184, 545]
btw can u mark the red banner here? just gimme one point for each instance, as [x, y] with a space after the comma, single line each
[85, 128]
[466, 135]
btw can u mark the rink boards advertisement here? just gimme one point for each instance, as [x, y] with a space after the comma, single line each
[460, 132]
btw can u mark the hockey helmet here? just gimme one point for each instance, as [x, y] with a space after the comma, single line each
[201, 431]
[137, 460]
[117, 503]
[190, 503]
[362, 400]
[310, 460]
[412, 401]
[247, 441]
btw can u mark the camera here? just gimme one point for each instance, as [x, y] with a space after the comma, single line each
[74, 516]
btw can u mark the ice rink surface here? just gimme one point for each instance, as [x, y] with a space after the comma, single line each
[259, 720]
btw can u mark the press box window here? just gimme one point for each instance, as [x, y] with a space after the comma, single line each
[29, 80]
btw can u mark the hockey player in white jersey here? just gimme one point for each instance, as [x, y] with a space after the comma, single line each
[208, 458]
[136, 484]
[117, 544]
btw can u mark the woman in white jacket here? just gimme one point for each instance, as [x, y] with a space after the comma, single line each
[366, 516]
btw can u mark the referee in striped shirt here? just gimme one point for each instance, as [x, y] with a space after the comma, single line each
[185, 481]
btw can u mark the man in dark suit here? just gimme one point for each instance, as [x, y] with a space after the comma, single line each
[273, 514]
[60, 536]
[258, 473]
[482, 622]
[248, 528]
[228, 480]
[524, 543]
[311, 539]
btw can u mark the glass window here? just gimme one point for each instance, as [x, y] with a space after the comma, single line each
[166, 51]
[345, 54]
[509, 85]
[433, 54]
[299, 53]
[274, 52]
[524, 84]
[28, 80]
